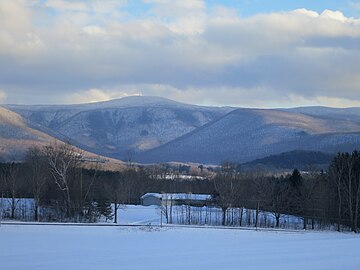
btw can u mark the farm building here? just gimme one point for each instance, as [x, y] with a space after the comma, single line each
[176, 199]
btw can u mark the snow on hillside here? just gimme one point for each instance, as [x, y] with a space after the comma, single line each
[246, 134]
[153, 129]
[126, 102]
[117, 127]
[87, 248]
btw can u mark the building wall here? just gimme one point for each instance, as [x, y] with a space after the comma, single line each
[150, 200]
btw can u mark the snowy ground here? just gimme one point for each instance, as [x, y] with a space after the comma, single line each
[142, 215]
[139, 215]
[73, 247]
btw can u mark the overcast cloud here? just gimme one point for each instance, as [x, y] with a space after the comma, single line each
[58, 51]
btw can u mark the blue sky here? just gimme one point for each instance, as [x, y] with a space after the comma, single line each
[252, 7]
[207, 52]
[246, 8]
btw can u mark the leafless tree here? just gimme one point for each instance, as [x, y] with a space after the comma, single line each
[167, 206]
[129, 158]
[37, 175]
[86, 188]
[257, 181]
[227, 186]
[117, 191]
[345, 176]
[352, 188]
[336, 173]
[275, 198]
[308, 192]
[63, 158]
[10, 178]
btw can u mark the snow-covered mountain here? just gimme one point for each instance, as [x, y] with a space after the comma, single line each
[351, 114]
[153, 129]
[247, 134]
[118, 127]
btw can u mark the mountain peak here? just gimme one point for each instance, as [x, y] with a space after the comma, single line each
[132, 101]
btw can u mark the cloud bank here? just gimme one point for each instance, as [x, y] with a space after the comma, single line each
[2, 96]
[54, 51]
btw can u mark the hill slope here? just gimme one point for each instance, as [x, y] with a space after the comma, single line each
[345, 114]
[120, 126]
[247, 134]
[302, 160]
[17, 135]
[153, 129]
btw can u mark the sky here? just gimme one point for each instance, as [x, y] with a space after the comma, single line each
[248, 53]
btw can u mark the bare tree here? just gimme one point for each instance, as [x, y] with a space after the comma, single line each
[227, 187]
[129, 158]
[345, 176]
[275, 199]
[37, 175]
[63, 158]
[336, 173]
[86, 188]
[167, 206]
[258, 182]
[352, 188]
[118, 193]
[308, 190]
[10, 178]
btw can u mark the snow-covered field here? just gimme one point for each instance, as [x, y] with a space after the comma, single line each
[143, 215]
[139, 215]
[74, 247]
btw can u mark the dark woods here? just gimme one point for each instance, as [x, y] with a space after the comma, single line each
[322, 198]
[63, 190]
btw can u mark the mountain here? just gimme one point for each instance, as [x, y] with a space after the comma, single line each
[346, 114]
[247, 134]
[17, 135]
[121, 127]
[302, 160]
[153, 129]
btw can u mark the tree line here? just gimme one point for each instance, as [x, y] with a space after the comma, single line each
[324, 198]
[56, 179]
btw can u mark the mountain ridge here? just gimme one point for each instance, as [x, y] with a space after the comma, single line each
[256, 131]
[155, 129]
[116, 127]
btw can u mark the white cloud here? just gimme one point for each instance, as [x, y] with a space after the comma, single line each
[295, 100]
[107, 6]
[94, 30]
[17, 34]
[355, 5]
[334, 15]
[181, 50]
[94, 95]
[176, 7]
[182, 17]
[305, 12]
[2, 96]
[67, 5]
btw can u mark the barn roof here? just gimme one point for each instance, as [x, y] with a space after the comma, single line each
[179, 196]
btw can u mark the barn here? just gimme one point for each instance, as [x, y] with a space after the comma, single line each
[176, 199]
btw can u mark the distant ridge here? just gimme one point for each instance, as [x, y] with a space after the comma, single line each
[125, 102]
[154, 129]
[247, 134]
[121, 127]
[302, 160]
[17, 135]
